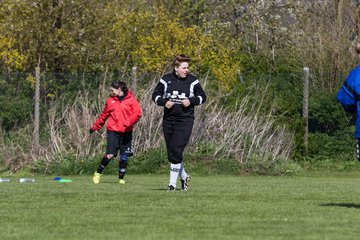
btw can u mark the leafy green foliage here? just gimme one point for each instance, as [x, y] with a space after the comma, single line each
[331, 129]
[154, 161]
[340, 146]
[16, 101]
[15, 111]
[235, 44]
[326, 114]
[167, 39]
[10, 56]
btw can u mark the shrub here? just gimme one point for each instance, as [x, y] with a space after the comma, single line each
[244, 134]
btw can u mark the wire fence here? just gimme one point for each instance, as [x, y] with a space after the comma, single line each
[309, 102]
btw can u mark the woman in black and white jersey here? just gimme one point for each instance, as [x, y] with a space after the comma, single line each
[178, 92]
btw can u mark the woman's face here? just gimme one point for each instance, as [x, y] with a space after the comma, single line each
[116, 92]
[183, 70]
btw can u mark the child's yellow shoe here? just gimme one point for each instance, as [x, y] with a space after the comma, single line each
[122, 181]
[96, 177]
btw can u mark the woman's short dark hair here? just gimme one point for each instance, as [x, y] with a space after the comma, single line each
[119, 84]
[180, 59]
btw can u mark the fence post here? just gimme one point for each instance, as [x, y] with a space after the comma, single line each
[306, 108]
[134, 79]
[35, 141]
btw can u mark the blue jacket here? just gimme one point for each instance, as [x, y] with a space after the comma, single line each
[349, 96]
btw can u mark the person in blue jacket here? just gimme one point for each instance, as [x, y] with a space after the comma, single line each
[349, 98]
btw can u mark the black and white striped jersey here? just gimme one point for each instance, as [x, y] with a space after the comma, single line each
[173, 88]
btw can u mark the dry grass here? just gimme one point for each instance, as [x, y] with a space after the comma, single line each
[14, 149]
[244, 135]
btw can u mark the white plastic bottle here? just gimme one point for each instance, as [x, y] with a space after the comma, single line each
[23, 180]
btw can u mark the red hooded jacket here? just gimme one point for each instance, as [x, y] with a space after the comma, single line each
[121, 115]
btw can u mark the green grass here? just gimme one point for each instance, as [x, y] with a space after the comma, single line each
[215, 207]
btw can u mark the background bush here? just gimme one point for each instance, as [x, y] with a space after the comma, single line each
[251, 56]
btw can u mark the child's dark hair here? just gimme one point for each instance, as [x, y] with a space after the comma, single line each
[119, 84]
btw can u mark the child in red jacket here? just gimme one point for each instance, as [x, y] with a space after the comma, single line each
[121, 112]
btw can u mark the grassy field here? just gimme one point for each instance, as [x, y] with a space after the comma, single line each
[215, 207]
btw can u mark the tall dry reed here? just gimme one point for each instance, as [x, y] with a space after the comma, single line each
[246, 134]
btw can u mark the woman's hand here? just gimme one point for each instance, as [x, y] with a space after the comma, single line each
[185, 102]
[169, 104]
